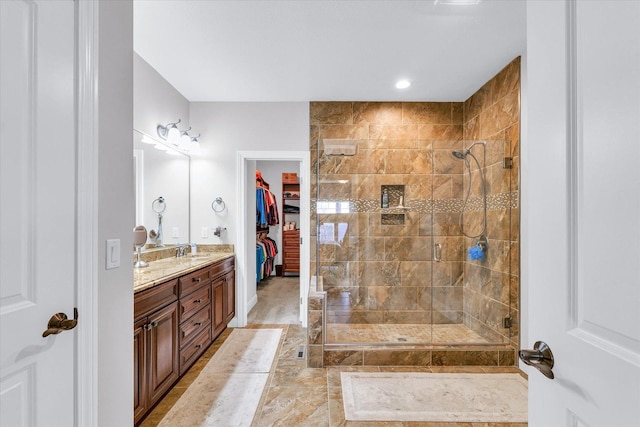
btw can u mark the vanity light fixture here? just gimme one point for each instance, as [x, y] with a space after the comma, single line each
[169, 132]
[195, 145]
[178, 139]
[185, 140]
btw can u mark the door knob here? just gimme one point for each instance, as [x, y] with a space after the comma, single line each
[540, 358]
[60, 322]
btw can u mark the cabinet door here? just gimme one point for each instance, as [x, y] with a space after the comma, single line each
[229, 296]
[218, 307]
[163, 351]
[139, 370]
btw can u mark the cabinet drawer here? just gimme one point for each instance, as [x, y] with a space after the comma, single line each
[191, 282]
[190, 304]
[150, 300]
[194, 349]
[222, 267]
[194, 325]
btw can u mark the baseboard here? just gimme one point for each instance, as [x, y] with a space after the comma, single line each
[252, 302]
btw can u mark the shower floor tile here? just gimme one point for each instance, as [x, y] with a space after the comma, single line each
[356, 333]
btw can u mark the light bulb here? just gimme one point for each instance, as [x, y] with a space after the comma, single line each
[173, 136]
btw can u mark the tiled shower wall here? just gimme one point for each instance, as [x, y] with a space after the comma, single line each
[378, 269]
[492, 286]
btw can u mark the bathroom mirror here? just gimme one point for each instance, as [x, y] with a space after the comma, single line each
[161, 173]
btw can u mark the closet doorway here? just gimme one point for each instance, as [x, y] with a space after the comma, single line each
[250, 290]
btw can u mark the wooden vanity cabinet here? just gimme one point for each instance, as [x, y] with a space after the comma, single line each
[155, 352]
[174, 323]
[195, 317]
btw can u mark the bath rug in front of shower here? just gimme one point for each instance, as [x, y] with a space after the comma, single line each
[227, 391]
[420, 396]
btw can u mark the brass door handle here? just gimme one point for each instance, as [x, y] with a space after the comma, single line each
[60, 322]
[540, 358]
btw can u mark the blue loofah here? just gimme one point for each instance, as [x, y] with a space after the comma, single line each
[476, 253]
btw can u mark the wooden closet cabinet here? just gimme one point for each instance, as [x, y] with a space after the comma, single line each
[290, 214]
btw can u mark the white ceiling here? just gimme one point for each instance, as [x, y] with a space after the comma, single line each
[327, 50]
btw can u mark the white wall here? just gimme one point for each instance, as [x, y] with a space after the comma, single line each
[155, 101]
[272, 173]
[227, 128]
[115, 212]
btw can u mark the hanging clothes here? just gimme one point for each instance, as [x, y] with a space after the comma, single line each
[266, 203]
[266, 251]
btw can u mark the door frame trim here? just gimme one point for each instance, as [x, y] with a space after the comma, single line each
[243, 247]
[86, 351]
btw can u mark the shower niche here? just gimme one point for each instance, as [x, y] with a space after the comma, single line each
[391, 200]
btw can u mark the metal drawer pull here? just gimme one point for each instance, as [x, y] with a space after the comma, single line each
[198, 324]
[196, 279]
[198, 301]
[198, 345]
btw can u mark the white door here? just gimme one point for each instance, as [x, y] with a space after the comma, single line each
[37, 211]
[581, 195]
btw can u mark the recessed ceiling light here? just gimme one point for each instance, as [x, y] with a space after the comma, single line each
[403, 84]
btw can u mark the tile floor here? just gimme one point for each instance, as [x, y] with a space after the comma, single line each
[410, 334]
[297, 396]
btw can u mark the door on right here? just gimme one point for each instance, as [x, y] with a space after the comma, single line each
[581, 210]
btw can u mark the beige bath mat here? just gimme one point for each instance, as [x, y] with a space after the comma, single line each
[434, 397]
[228, 390]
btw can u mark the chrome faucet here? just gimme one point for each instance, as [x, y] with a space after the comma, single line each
[181, 251]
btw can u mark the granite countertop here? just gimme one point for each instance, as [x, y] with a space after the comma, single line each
[169, 268]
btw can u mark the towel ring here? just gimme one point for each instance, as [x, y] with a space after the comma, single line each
[219, 203]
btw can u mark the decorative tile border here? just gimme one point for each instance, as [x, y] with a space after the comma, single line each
[494, 202]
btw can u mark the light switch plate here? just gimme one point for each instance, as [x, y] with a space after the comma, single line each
[175, 232]
[112, 254]
[204, 232]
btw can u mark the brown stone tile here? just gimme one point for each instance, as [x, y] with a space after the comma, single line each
[393, 135]
[442, 136]
[314, 356]
[417, 187]
[345, 131]
[512, 138]
[445, 163]
[407, 248]
[507, 358]
[407, 317]
[315, 303]
[380, 273]
[447, 298]
[427, 113]
[415, 273]
[397, 357]
[464, 357]
[480, 101]
[407, 162]
[321, 113]
[377, 112]
[507, 80]
[343, 357]
[457, 112]
[315, 327]
[295, 406]
[294, 373]
[391, 298]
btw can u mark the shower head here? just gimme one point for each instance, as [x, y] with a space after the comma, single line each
[460, 154]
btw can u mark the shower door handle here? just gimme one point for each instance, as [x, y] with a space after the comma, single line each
[437, 252]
